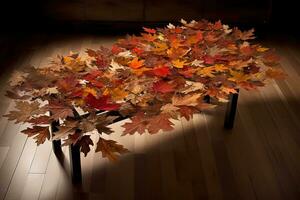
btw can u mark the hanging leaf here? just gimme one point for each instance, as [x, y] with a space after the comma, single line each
[110, 149]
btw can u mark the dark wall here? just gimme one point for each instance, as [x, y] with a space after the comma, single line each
[46, 14]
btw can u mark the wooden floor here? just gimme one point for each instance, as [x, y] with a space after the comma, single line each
[258, 159]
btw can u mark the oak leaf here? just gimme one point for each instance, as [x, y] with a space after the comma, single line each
[110, 149]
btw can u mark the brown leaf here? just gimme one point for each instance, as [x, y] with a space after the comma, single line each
[110, 149]
[25, 111]
[15, 95]
[138, 124]
[84, 143]
[187, 100]
[159, 122]
[40, 133]
[58, 110]
[68, 128]
[40, 120]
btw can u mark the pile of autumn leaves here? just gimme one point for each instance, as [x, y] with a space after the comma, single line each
[159, 76]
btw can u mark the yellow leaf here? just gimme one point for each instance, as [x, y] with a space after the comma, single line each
[206, 71]
[238, 76]
[118, 94]
[179, 64]
[160, 46]
[220, 68]
[88, 90]
[262, 49]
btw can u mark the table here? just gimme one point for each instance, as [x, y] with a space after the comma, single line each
[162, 75]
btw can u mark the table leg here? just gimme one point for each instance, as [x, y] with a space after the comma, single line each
[206, 99]
[56, 144]
[231, 110]
[75, 163]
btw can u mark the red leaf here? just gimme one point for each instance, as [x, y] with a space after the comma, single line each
[163, 87]
[161, 71]
[149, 30]
[138, 124]
[115, 49]
[103, 103]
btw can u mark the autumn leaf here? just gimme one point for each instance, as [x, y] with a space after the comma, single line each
[178, 63]
[163, 87]
[138, 124]
[44, 119]
[206, 71]
[161, 71]
[72, 139]
[170, 110]
[25, 111]
[16, 96]
[102, 103]
[110, 149]
[136, 63]
[58, 110]
[187, 112]
[186, 100]
[85, 142]
[69, 127]
[149, 30]
[159, 122]
[40, 133]
[17, 78]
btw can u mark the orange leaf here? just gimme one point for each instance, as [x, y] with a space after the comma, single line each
[136, 63]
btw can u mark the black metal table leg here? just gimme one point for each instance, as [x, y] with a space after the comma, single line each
[75, 163]
[206, 99]
[56, 144]
[231, 110]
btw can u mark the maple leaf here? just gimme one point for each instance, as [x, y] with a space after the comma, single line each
[58, 110]
[136, 63]
[179, 63]
[160, 46]
[149, 30]
[25, 111]
[187, 112]
[192, 87]
[17, 78]
[85, 142]
[228, 90]
[238, 76]
[220, 68]
[41, 133]
[110, 149]
[102, 103]
[206, 71]
[16, 96]
[159, 122]
[170, 110]
[187, 100]
[163, 87]
[40, 120]
[138, 124]
[72, 139]
[161, 71]
[69, 127]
